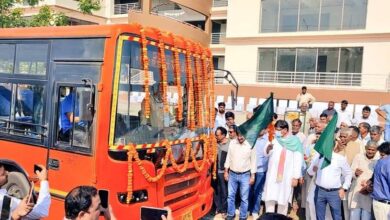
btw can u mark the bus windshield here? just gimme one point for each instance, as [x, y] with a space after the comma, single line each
[131, 125]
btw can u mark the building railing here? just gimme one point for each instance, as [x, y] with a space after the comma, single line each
[220, 3]
[369, 81]
[218, 38]
[124, 8]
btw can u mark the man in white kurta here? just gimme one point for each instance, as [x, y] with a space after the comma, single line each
[282, 176]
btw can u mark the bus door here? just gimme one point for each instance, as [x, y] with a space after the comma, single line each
[71, 159]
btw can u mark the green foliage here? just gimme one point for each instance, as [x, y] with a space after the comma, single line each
[13, 17]
[10, 17]
[87, 6]
[47, 17]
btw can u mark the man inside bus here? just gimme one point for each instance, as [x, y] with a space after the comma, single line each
[67, 117]
[83, 202]
[40, 209]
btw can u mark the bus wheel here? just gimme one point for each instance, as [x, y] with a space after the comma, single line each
[17, 185]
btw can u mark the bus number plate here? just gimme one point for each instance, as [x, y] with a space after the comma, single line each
[187, 216]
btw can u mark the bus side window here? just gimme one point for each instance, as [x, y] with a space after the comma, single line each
[73, 129]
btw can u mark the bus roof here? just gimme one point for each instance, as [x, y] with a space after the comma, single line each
[67, 31]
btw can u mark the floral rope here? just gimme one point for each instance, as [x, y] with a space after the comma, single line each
[206, 90]
[198, 89]
[145, 62]
[191, 115]
[163, 70]
[212, 111]
[177, 71]
[186, 158]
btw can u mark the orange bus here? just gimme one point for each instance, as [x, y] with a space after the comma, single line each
[120, 107]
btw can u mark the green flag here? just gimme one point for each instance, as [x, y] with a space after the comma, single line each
[325, 143]
[259, 121]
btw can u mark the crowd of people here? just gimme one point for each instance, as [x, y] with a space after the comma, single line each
[284, 172]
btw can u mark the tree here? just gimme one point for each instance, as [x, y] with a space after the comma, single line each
[47, 17]
[10, 16]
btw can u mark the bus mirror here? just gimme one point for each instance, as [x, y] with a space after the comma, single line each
[85, 112]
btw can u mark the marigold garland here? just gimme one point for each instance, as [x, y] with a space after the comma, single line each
[191, 114]
[163, 70]
[213, 153]
[186, 158]
[198, 88]
[205, 152]
[212, 111]
[145, 63]
[206, 90]
[177, 71]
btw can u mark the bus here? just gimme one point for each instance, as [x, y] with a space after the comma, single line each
[125, 108]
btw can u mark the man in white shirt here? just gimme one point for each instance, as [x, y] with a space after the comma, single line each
[305, 97]
[330, 190]
[41, 208]
[367, 117]
[364, 129]
[220, 120]
[296, 125]
[344, 115]
[376, 134]
[240, 170]
[285, 154]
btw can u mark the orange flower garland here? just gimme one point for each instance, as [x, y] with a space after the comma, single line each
[191, 115]
[163, 70]
[186, 158]
[206, 90]
[130, 156]
[145, 62]
[177, 71]
[198, 88]
[213, 153]
[205, 152]
[212, 111]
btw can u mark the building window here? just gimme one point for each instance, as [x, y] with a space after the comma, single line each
[312, 15]
[322, 66]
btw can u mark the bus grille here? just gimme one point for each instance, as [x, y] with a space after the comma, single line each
[180, 187]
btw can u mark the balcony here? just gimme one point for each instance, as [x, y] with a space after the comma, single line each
[124, 8]
[218, 38]
[220, 3]
[352, 80]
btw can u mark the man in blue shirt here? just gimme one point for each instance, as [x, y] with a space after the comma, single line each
[380, 111]
[381, 184]
[67, 118]
[262, 165]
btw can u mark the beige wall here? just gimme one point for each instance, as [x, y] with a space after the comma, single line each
[378, 17]
[243, 18]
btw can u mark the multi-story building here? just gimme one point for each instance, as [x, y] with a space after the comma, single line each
[339, 49]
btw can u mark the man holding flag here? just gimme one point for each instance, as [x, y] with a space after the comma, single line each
[330, 167]
[285, 154]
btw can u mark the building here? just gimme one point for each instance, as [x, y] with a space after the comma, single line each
[339, 49]
[185, 17]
